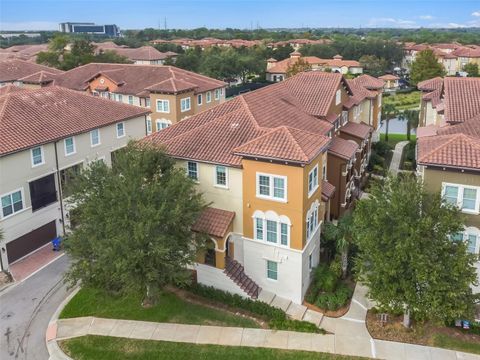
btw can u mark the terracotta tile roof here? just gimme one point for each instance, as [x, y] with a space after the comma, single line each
[41, 77]
[327, 190]
[34, 117]
[134, 78]
[359, 92]
[146, 53]
[285, 143]
[15, 69]
[282, 66]
[471, 128]
[214, 222]
[461, 98]
[467, 52]
[430, 84]
[172, 86]
[358, 130]
[7, 89]
[345, 149]
[389, 77]
[369, 82]
[458, 150]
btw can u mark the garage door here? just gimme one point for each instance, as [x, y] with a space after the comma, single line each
[32, 241]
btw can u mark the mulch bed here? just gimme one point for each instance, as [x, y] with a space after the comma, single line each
[421, 334]
[334, 313]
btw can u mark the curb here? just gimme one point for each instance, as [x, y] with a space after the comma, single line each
[51, 335]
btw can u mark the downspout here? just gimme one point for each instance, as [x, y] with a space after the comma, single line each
[59, 188]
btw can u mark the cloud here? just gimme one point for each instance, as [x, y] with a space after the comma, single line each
[392, 22]
[426, 17]
[30, 25]
[455, 25]
[476, 13]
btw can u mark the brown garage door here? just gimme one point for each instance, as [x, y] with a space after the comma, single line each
[29, 242]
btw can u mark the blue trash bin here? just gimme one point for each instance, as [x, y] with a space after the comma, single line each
[57, 243]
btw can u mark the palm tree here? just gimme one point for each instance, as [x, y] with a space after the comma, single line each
[342, 235]
[412, 118]
[389, 112]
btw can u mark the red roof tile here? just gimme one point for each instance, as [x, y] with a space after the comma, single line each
[15, 69]
[34, 117]
[358, 130]
[345, 149]
[172, 86]
[328, 190]
[389, 77]
[461, 98]
[214, 222]
[369, 82]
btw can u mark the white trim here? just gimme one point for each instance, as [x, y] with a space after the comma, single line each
[215, 177]
[65, 167]
[461, 188]
[123, 127]
[198, 171]
[208, 97]
[65, 146]
[159, 122]
[216, 94]
[271, 186]
[163, 107]
[266, 268]
[91, 138]
[42, 154]
[200, 97]
[13, 210]
[271, 215]
[315, 186]
[184, 100]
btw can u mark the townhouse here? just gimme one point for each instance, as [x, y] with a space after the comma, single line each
[144, 55]
[277, 70]
[448, 150]
[171, 94]
[391, 81]
[274, 163]
[27, 74]
[47, 136]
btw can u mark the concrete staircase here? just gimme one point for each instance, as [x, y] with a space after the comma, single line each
[235, 271]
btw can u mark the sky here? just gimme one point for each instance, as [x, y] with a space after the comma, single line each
[244, 14]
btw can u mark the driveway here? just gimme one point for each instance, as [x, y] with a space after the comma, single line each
[26, 309]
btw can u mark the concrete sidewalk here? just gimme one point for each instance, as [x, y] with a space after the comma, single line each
[397, 157]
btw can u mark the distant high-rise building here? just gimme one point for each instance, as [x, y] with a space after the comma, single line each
[90, 28]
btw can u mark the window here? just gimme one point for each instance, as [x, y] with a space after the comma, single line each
[221, 176]
[209, 96]
[37, 156]
[278, 188]
[185, 104]
[259, 229]
[217, 94]
[199, 99]
[284, 234]
[457, 237]
[271, 231]
[264, 185]
[192, 170]
[312, 180]
[163, 106]
[69, 146]
[221, 92]
[272, 187]
[338, 97]
[147, 102]
[120, 130]
[272, 270]
[130, 99]
[162, 124]
[120, 97]
[43, 192]
[465, 197]
[324, 172]
[472, 243]
[12, 203]
[149, 126]
[312, 219]
[276, 228]
[95, 137]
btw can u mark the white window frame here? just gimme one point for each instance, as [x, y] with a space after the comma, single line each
[197, 178]
[315, 183]
[41, 154]
[161, 124]
[209, 97]
[147, 102]
[216, 94]
[215, 178]
[13, 210]
[131, 99]
[271, 185]
[199, 99]
[65, 146]
[312, 214]
[338, 97]
[162, 108]
[460, 192]
[148, 125]
[183, 104]
[267, 270]
[123, 127]
[259, 217]
[91, 138]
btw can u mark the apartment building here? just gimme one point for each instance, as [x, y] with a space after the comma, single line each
[22, 52]
[264, 162]
[48, 135]
[277, 70]
[144, 55]
[448, 150]
[26, 74]
[391, 81]
[171, 94]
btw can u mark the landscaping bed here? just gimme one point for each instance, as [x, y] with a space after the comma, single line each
[408, 161]
[109, 348]
[423, 333]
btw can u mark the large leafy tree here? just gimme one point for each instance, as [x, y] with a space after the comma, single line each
[425, 66]
[134, 223]
[406, 254]
[374, 66]
[471, 69]
[299, 66]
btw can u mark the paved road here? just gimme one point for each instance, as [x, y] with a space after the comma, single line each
[26, 309]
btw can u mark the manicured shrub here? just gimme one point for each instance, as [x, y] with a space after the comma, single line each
[382, 148]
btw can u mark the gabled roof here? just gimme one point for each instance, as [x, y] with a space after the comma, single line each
[461, 98]
[41, 77]
[285, 143]
[146, 53]
[389, 77]
[359, 130]
[344, 149]
[15, 69]
[214, 222]
[172, 86]
[34, 117]
[369, 82]
[458, 150]
[431, 84]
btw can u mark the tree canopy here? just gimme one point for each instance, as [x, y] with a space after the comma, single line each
[299, 66]
[425, 66]
[471, 69]
[134, 223]
[407, 255]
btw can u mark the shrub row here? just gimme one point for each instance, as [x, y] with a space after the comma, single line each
[277, 319]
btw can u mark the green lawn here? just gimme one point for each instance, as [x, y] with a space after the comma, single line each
[404, 101]
[393, 139]
[169, 308]
[108, 348]
[448, 342]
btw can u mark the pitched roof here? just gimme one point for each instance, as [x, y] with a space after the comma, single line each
[430, 84]
[461, 98]
[369, 82]
[327, 190]
[389, 77]
[458, 150]
[134, 78]
[172, 86]
[358, 130]
[34, 117]
[147, 53]
[344, 149]
[282, 66]
[15, 69]
[285, 143]
[214, 222]
[40, 77]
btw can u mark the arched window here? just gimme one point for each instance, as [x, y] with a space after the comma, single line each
[271, 228]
